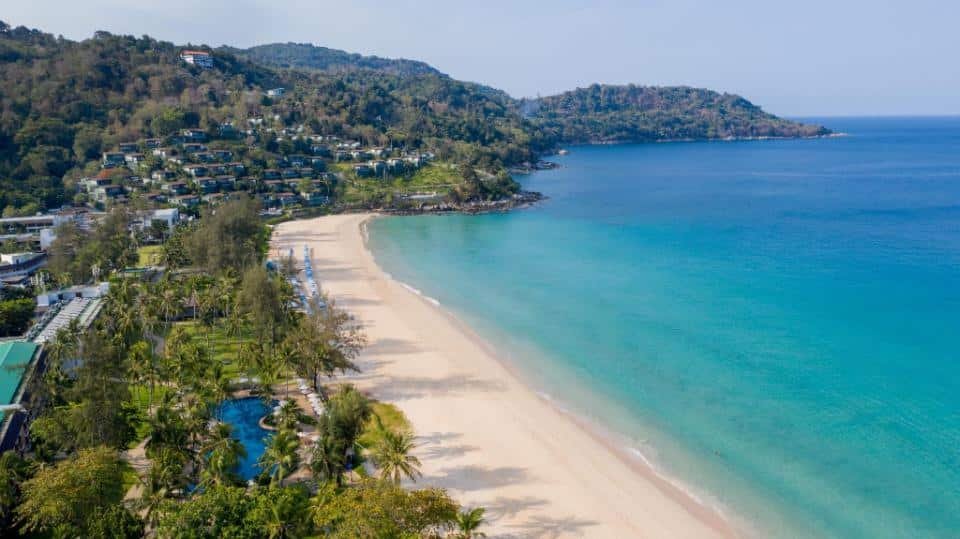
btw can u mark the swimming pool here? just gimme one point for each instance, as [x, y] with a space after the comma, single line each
[244, 416]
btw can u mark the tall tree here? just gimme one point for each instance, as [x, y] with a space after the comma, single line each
[65, 497]
[222, 453]
[229, 238]
[327, 341]
[392, 454]
[468, 522]
[280, 457]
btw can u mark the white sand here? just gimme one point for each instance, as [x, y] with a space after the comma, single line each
[483, 435]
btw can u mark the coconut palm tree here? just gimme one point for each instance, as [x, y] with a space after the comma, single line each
[268, 374]
[391, 454]
[161, 482]
[285, 358]
[171, 303]
[223, 292]
[280, 457]
[328, 461]
[235, 324]
[468, 521]
[222, 453]
[217, 383]
[167, 428]
[288, 416]
[64, 347]
[143, 367]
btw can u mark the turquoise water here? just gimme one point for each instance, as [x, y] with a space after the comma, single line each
[244, 416]
[775, 324]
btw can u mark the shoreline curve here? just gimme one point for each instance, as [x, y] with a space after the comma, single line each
[485, 434]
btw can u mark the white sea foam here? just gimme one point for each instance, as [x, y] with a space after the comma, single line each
[410, 288]
[417, 291]
[676, 483]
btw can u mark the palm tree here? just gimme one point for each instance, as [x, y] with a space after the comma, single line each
[143, 367]
[391, 454]
[208, 312]
[167, 429]
[285, 357]
[468, 522]
[289, 415]
[328, 462]
[171, 304]
[126, 321]
[162, 480]
[62, 348]
[222, 453]
[224, 293]
[280, 457]
[217, 383]
[268, 373]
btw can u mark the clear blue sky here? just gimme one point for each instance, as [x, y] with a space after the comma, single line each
[829, 57]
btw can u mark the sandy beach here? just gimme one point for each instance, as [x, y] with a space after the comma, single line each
[483, 434]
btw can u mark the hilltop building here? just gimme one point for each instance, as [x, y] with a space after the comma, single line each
[198, 58]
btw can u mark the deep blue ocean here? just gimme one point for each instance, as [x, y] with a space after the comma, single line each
[775, 324]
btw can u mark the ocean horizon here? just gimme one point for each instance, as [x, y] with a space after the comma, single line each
[771, 323]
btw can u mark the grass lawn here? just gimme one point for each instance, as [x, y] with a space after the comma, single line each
[148, 255]
[224, 348]
[392, 419]
[140, 397]
[434, 177]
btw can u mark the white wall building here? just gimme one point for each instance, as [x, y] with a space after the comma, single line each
[197, 58]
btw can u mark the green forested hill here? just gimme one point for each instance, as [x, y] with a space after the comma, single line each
[307, 56]
[63, 102]
[604, 113]
[598, 113]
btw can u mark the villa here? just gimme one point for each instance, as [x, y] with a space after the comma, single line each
[198, 58]
[21, 264]
[113, 159]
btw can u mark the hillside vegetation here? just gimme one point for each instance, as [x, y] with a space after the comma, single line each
[307, 56]
[64, 102]
[604, 113]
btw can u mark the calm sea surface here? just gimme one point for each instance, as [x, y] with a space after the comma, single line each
[775, 324]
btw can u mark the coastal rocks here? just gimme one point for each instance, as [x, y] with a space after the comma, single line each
[528, 168]
[519, 200]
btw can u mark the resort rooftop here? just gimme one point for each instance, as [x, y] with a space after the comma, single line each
[15, 357]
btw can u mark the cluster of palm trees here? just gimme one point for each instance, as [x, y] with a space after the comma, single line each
[180, 371]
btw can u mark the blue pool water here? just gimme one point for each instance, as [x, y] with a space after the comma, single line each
[244, 416]
[776, 324]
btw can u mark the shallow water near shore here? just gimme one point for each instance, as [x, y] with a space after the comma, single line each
[773, 323]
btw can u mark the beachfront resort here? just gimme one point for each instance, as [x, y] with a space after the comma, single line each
[218, 368]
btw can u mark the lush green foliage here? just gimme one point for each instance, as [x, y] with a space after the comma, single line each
[74, 256]
[15, 316]
[64, 102]
[69, 498]
[307, 56]
[605, 113]
[229, 238]
[375, 509]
